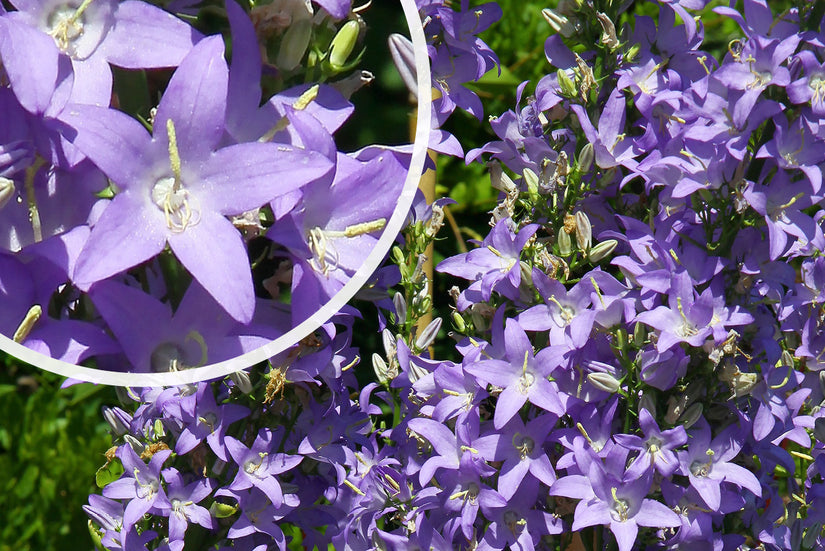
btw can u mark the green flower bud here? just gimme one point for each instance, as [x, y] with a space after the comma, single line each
[586, 157]
[532, 181]
[294, 45]
[639, 335]
[222, 510]
[458, 322]
[568, 87]
[602, 250]
[565, 243]
[343, 44]
[604, 381]
[584, 231]
[398, 255]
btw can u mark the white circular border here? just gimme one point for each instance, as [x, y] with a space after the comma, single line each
[373, 260]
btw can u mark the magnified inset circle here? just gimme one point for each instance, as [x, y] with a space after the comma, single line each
[181, 212]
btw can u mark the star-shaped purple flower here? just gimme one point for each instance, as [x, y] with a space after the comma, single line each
[176, 187]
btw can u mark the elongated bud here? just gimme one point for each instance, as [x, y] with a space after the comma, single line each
[691, 415]
[568, 87]
[398, 255]
[565, 243]
[647, 402]
[389, 343]
[136, 445]
[222, 510]
[458, 322]
[118, 420]
[6, 191]
[819, 429]
[428, 335]
[343, 44]
[499, 179]
[241, 380]
[379, 366]
[586, 157]
[400, 305]
[531, 179]
[639, 335]
[294, 44]
[632, 53]
[558, 22]
[604, 381]
[602, 250]
[584, 231]
[526, 273]
[403, 56]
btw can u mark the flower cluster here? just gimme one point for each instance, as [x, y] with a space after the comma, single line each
[639, 344]
[154, 238]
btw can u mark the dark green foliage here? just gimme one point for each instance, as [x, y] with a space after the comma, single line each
[51, 443]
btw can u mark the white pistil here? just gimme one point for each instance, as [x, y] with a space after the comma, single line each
[169, 195]
[527, 379]
[687, 329]
[66, 25]
[619, 506]
[323, 249]
[147, 490]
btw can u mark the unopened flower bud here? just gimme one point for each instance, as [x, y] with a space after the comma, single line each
[639, 334]
[294, 44]
[458, 322]
[565, 243]
[566, 84]
[379, 366]
[647, 402]
[118, 420]
[584, 231]
[691, 415]
[7, 191]
[526, 273]
[403, 56]
[400, 305]
[222, 510]
[241, 380]
[343, 44]
[586, 157]
[136, 445]
[531, 179]
[388, 340]
[602, 250]
[158, 429]
[819, 429]
[398, 255]
[427, 336]
[558, 22]
[499, 179]
[604, 381]
[632, 54]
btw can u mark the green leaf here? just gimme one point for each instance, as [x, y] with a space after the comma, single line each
[108, 473]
